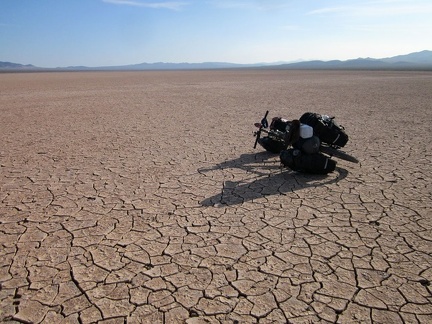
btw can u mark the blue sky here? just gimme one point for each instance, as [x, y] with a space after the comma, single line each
[52, 33]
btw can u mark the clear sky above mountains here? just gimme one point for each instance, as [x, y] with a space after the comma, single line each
[52, 33]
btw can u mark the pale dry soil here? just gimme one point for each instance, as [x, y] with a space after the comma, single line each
[137, 197]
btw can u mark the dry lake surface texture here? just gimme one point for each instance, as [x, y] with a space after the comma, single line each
[138, 197]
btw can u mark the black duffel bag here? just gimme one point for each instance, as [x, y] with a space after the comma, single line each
[316, 163]
[325, 128]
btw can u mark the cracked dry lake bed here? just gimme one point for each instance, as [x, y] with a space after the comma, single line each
[137, 197]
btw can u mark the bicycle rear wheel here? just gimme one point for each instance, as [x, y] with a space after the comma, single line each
[339, 154]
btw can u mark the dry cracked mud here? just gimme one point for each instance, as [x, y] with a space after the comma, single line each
[137, 197]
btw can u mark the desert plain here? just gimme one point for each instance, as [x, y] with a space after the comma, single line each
[137, 197]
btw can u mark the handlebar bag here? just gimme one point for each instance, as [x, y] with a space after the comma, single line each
[325, 128]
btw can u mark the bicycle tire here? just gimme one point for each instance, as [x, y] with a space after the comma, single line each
[258, 136]
[339, 154]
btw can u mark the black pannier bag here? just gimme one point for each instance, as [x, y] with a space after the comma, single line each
[316, 163]
[272, 145]
[325, 128]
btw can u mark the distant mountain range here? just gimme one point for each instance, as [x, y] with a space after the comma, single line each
[413, 61]
[13, 66]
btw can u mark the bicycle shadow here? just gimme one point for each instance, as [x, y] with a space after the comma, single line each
[266, 184]
[246, 162]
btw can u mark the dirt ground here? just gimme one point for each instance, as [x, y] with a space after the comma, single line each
[138, 197]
